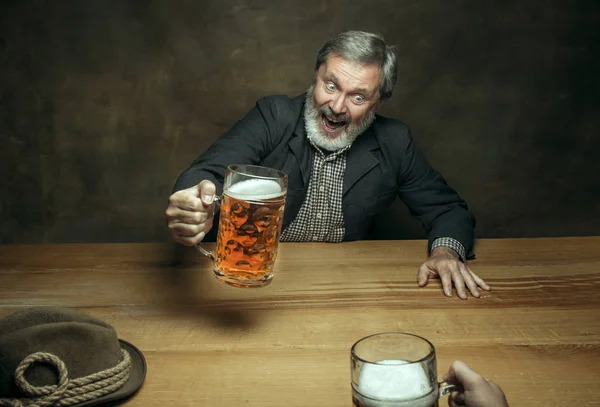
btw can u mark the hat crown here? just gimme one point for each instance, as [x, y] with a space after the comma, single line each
[86, 345]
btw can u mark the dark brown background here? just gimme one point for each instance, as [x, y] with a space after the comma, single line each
[104, 103]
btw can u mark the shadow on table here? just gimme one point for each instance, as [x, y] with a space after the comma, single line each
[186, 290]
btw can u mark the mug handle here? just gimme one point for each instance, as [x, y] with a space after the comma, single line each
[204, 251]
[199, 246]
[446, 388]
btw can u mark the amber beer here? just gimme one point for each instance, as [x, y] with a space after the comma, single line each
[249, 228]
[393, 383]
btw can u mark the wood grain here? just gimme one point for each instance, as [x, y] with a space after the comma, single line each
[537, 333]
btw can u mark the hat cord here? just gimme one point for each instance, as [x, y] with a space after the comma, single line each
[67, 392]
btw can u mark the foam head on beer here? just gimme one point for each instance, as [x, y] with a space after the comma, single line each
[258, 189]
[395, 383]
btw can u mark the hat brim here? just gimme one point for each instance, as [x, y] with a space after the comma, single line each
[133, 384]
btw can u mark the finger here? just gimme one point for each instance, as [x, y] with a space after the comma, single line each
[190, 240]
[456, 399]
[423, 275]
[176, 215]
[459, 282]
[451, 375]
[469, 281]
[207, 192]
[479, 280]
[462, 375]
[184, 229]
[186, 200]
[446, 278]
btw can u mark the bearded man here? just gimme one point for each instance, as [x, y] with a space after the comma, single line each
[345, 164]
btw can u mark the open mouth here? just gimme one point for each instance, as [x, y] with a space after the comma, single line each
[332, 126]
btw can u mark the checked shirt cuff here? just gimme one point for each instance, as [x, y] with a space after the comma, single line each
[452, 244]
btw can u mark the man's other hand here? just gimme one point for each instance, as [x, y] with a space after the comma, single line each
[445, 264]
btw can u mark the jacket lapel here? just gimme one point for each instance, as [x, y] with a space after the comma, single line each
[360, 159]
[301, 149]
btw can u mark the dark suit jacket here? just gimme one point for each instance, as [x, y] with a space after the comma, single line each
[382, 163]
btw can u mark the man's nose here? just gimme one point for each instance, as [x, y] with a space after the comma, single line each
[338, 105]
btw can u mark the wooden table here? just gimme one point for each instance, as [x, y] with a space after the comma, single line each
[537, 334]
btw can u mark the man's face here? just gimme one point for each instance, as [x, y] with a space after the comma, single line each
[342, 103]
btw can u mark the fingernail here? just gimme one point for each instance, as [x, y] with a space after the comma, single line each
[448, 293]
[208, 198]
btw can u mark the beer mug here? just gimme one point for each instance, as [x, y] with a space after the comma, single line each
[395, 370]
[250, 221]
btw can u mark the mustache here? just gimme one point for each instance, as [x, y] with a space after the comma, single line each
[330, 114]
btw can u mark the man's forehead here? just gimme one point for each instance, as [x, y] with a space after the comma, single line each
[334, 61]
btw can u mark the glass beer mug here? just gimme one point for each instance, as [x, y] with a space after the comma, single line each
[250, 221]
[395, 370]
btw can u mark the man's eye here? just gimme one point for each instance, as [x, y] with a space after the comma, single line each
[359, 99]
[330, 86]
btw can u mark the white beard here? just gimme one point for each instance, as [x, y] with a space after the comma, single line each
[314, 131]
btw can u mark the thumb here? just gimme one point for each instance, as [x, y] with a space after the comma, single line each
[460, 373]
[206, 191]
[423, 275]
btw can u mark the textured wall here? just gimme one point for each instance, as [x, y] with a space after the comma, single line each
[103, 103]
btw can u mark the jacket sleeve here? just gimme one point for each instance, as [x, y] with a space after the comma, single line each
[247, 142]
[429, 198]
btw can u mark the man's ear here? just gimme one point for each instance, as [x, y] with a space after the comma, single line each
[378, 105]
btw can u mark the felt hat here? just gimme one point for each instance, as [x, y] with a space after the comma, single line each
[52, 356]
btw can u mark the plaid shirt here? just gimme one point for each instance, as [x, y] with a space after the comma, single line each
[321, 218]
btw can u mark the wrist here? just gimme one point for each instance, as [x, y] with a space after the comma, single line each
[454, 245]
[444, 251]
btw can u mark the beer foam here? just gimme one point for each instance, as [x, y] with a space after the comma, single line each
[258, 189]
[395, 383]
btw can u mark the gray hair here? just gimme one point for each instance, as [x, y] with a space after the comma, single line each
[367, 49]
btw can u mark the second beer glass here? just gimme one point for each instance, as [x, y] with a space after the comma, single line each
[395, 370]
